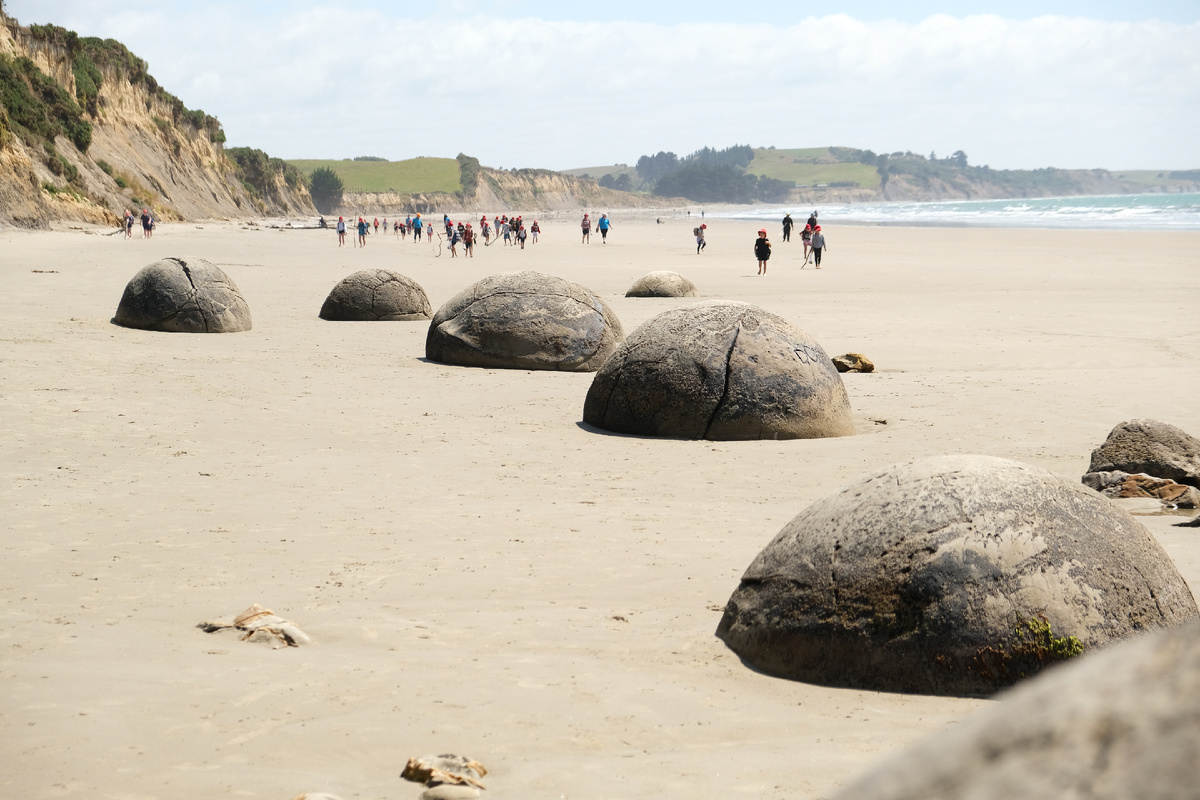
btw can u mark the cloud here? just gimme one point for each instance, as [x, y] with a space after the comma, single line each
[335, 81]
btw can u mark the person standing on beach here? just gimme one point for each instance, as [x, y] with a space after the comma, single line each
[586, 226]
[535, 230]
[145, 223]
[341, 230]
[377, 226]
[603, 226]
[812, 220]
[128, 224]
[818, 244]
[468, 237]
[521, 234]
[506, 232]
[416, 228]
[787, 227]
[362, 232]
[762, 251]
[454, 238]
[700, 243]
[806, 237]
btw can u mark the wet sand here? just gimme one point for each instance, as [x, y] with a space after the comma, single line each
[480, 574]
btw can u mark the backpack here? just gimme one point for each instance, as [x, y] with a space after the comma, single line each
[695, 231]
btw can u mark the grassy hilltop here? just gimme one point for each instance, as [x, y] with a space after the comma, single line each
[411, 176]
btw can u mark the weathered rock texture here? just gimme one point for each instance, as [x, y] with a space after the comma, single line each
[183, 295]
[376, 295]
[524, 320]
[662, 283]
[1152, 447]
[1122, 484]
[1119, 724]
[720, 370]
[940, 576]
[853, 362]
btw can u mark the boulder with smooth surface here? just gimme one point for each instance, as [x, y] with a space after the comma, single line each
[1118, 724]
[1152, 447]
[524, 320]
[183, 295]
[950, 575]
[720, 370]
[372, 295]
[662, 283]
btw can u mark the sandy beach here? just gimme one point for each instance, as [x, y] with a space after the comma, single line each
[479, 573]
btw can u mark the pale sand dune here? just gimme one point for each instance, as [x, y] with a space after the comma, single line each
[479, 574]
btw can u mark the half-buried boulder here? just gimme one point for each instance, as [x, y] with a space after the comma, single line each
[524, 320]
[1152, 447]
[720, 370]
[662, 283]
[372, 295]
[1117, 724]
[183, 295]
[950, 575]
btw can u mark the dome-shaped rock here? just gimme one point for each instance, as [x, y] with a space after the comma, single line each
[950, 575]
[376, 295]
[524, 320]
[662, 283]
[1117, 724]
[1152, 447]
[184, 295]
[720, 370]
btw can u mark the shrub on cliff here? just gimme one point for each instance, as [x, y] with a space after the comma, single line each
[326, 189]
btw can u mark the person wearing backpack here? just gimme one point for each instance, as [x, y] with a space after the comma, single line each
[699, 233]
[818, 244]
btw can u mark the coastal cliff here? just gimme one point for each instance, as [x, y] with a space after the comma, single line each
[86, 132]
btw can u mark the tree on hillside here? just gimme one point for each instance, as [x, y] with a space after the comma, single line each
[326, 189]
[620, 182]
[651, 168]
[960, 159]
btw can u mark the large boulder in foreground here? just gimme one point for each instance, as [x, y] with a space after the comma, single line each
[524, 320]
[372, 295]
[1117, 724]
[662, 283]
[720, 370]
[183, 295]
[950, 575]
[1152, 447]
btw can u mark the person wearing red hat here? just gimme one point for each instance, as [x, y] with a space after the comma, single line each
[586, 226]
[534, 230]
[806, 237]
[468, 237]
[762, 251]
[699, 232]
[818, 244]
[362, 232]
[341, 229]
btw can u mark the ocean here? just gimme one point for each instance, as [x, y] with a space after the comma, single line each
[1158, 212]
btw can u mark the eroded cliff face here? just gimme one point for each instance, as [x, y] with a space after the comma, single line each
[143, 153]
[504, 191]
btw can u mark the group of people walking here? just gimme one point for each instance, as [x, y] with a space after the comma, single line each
[512, 231]
[814, 242]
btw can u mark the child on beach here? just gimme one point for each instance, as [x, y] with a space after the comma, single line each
[535, 230]
[362, 232]
[806, 237]
[341, 229]
[506, 232]
[453, 236]
[468, 237]
[128, 224]
[818, 244]
[521, 236]
[700, 243]
[586, 225]
[377, 226]
[762, 251]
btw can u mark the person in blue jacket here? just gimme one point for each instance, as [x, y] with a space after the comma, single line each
[603, 227]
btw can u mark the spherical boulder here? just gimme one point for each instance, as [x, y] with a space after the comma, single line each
[662, 283]
[183, 295]
[524, 320]
[951, 575]
[1117, 724]
[376, 295]
[720, 370]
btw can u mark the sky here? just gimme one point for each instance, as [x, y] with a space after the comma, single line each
[1015, 85]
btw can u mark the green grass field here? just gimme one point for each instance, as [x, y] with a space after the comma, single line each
[810, 166]
[411, 176]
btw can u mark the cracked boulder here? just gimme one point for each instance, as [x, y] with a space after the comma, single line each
[183, 295]
[1120, 724]
[662, 283]
[1152, 447]
[524, 320]
[956, 575]
[376, 295]
[720, 370]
